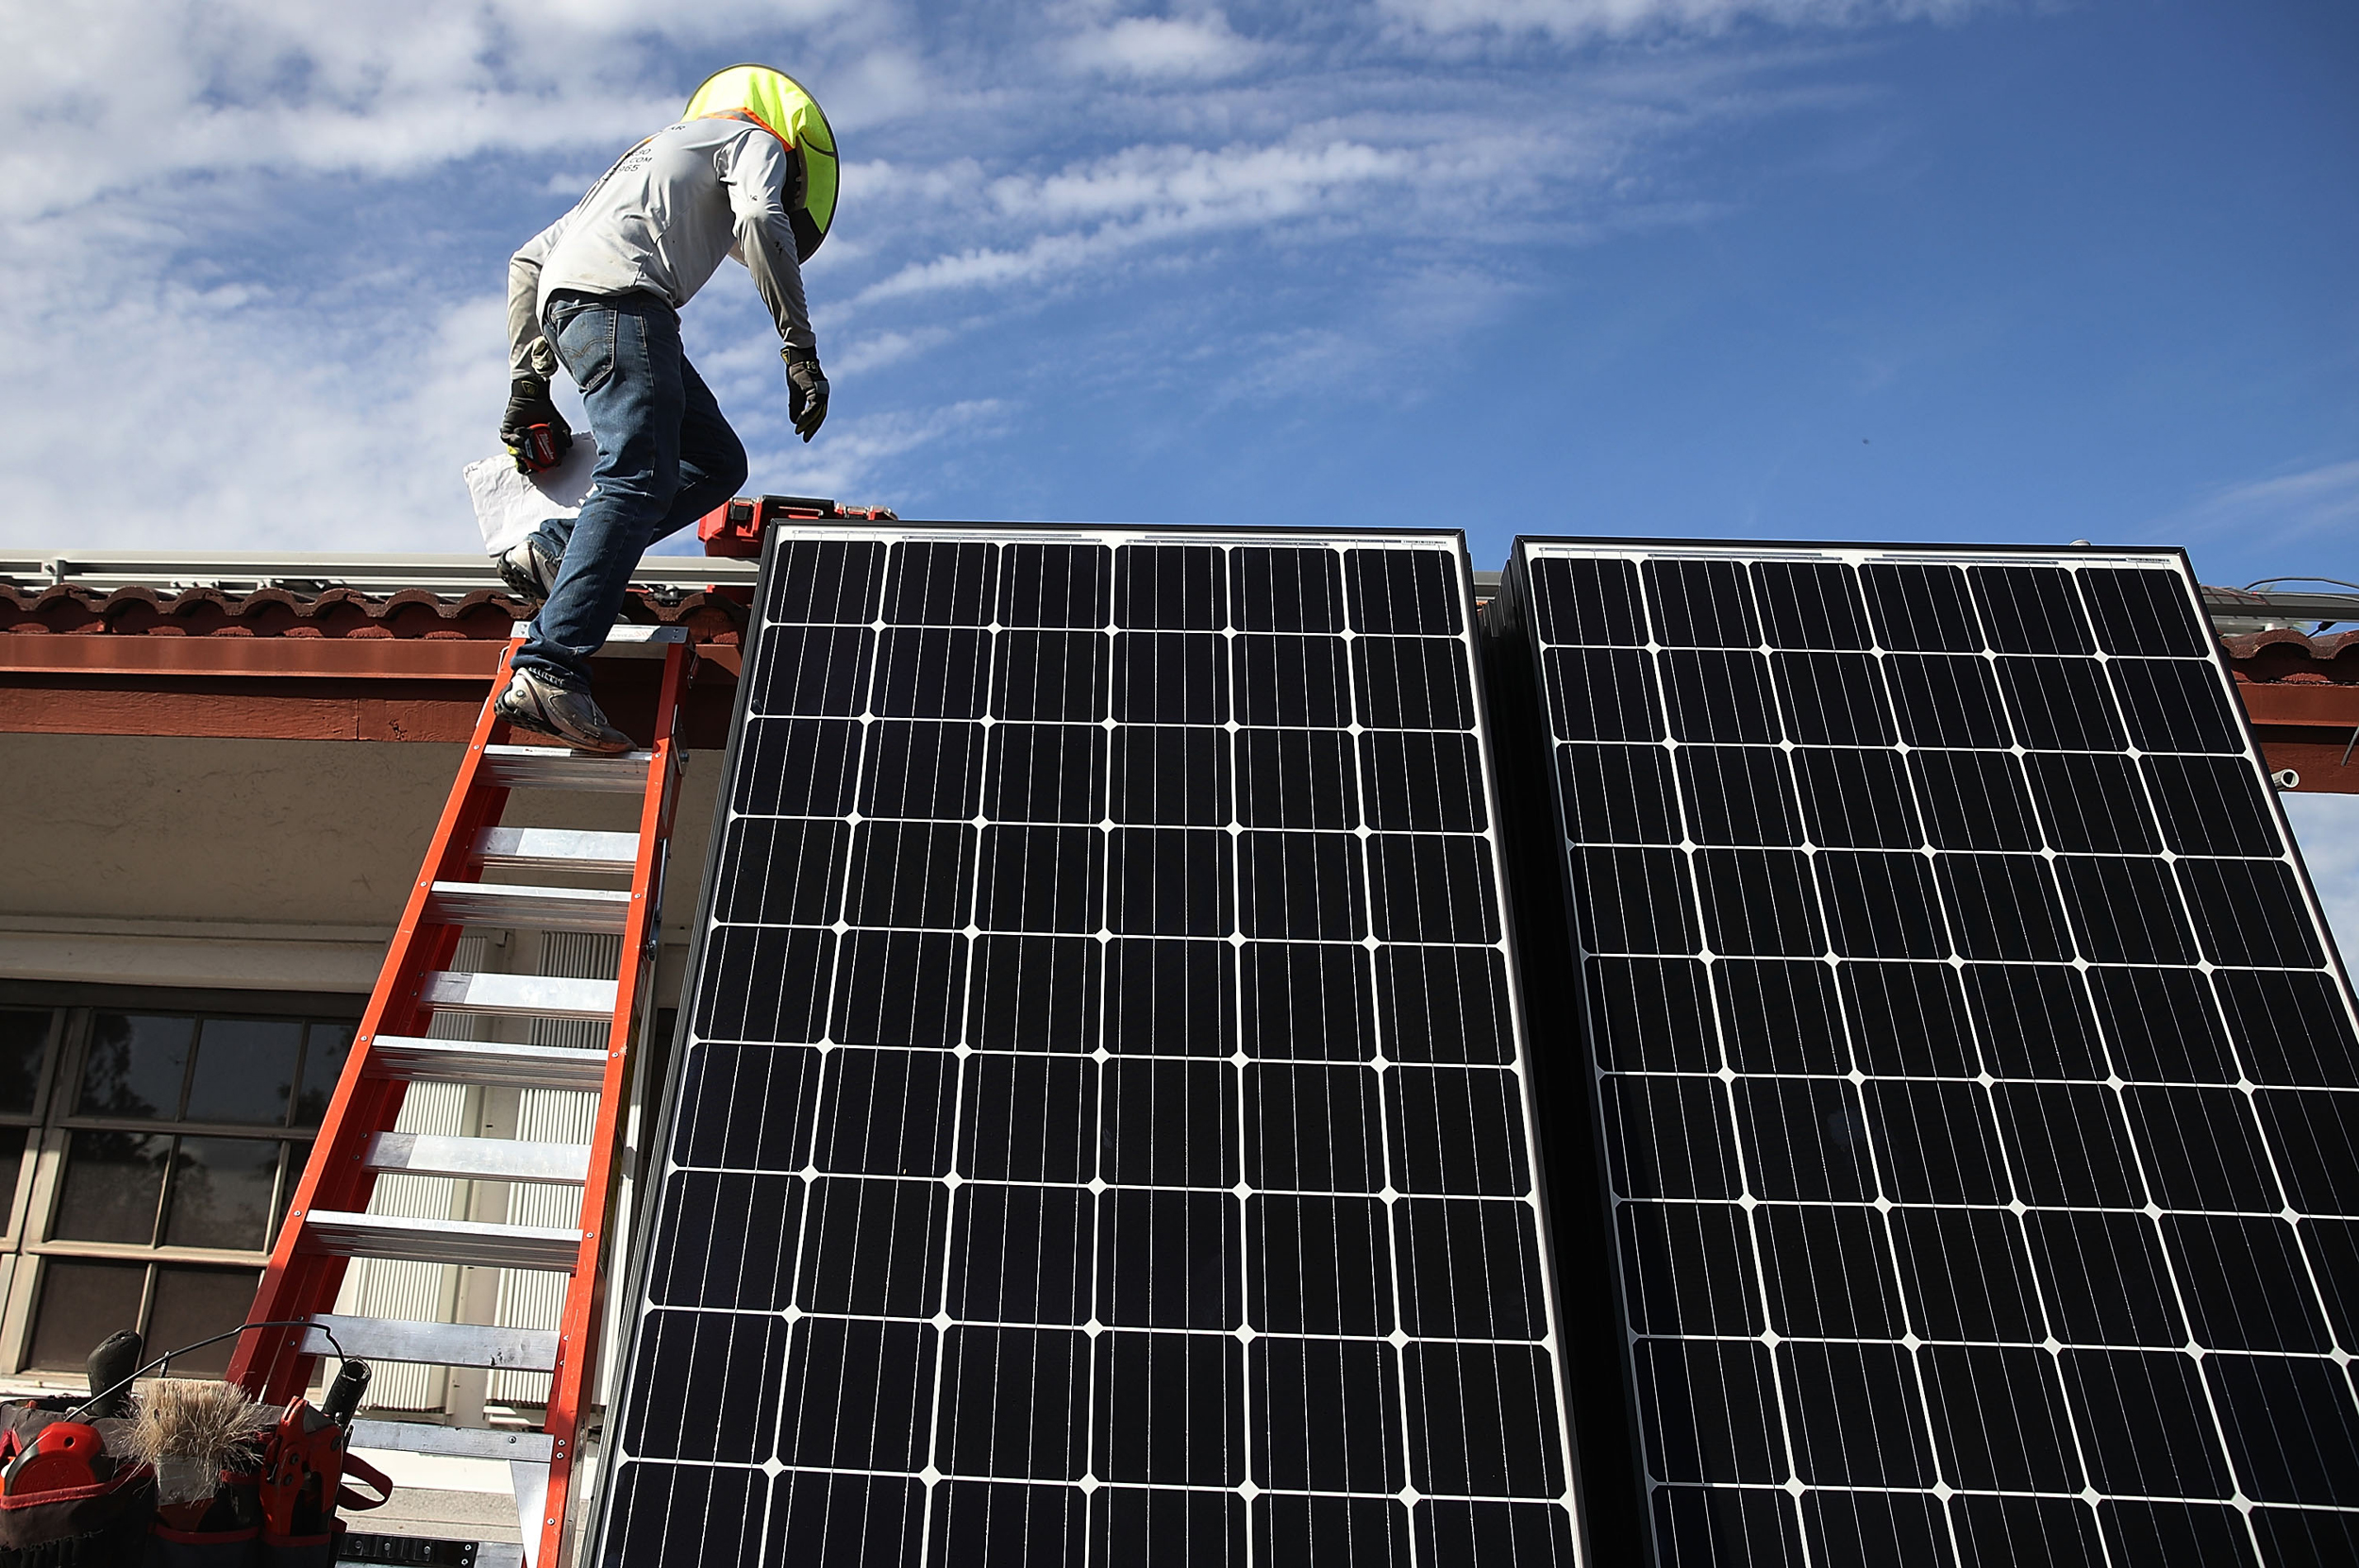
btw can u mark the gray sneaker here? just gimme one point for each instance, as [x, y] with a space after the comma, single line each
[534, 702]
[528, 570]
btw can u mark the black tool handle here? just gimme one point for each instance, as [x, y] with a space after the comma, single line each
[111, 1367]
[343, 1394]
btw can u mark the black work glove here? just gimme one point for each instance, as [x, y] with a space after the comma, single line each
[805, 395]
[535, 434]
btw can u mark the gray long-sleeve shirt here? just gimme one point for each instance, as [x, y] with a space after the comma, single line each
[661, 220]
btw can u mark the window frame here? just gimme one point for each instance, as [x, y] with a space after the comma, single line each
[30, 1246]
[18, 1208]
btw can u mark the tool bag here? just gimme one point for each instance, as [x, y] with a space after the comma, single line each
[226, 1532]
[88, 1527]
[170, 1548]
[230, 1535]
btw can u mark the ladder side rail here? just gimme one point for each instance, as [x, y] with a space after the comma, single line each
[270, 1362]
[585, 1302]
[630, 1158]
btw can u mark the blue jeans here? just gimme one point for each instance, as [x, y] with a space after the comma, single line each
[665, 457]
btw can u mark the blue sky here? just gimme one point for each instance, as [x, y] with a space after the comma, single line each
[1974, 269]
[1860, 269]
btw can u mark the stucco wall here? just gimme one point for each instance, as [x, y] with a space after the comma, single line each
[282, 864]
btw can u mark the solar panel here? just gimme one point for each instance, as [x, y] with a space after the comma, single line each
[1977, 1090]
[1099, 1133]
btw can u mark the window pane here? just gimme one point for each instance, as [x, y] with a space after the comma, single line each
[195, 1304]
[221, 1194]
[136, 1063]
[112, 1182]
[80, 1305]
[24, 1036]
[245, 1071]
[323, 1064]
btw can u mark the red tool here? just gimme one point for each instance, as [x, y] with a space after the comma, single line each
[305, 1467]
[306, 1462]
[540, 450]
[65, 1454]
[735, 527]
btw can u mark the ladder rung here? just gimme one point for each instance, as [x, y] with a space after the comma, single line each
[511, 907]
[559, 768]
[459, 1442]
[557, 849]
[478, 1159]
[483, 1062]
[465, 1242]
[625, 639]
[632, 639]
[434, 1344]
[519, 996]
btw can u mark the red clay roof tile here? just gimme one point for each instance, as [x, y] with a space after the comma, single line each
[338, 612]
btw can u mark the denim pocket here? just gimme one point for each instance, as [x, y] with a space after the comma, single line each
[585, 345]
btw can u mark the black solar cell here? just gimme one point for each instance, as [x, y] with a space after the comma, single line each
[1101, 1133]
[1978, 1099]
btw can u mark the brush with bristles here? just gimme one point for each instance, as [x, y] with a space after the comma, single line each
[192, 1431]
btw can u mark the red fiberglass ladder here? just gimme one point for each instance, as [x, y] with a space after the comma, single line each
[327, 1223]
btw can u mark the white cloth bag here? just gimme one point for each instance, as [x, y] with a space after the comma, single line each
[508, 505]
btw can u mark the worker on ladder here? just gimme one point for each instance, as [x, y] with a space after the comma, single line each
[748, 172]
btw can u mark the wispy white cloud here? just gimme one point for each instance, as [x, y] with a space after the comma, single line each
[1583, 19]
[2287, 506]
[1144, 195]
[206, 315]
[108, 95]
[271, 248]
[878, 350]
[1202, 186]
[227, 417]
[1191, 48]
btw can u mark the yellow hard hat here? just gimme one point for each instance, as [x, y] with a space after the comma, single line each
[785, 108]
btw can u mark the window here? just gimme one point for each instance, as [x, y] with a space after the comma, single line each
[172, 1144]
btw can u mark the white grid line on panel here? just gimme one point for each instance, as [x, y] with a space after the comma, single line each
[828, 1047]
[2113, 1080]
